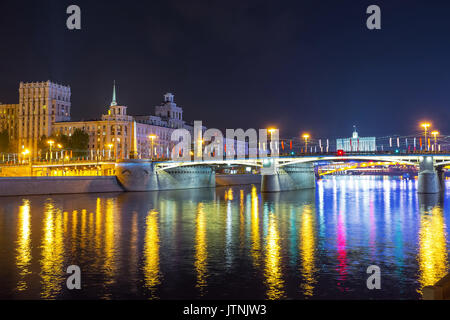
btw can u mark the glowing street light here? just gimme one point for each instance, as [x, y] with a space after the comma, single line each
[51, 143]
[306, 137]
[152, 137]
[24, 153]
[271, 131]
[425, 126]
[435, 133]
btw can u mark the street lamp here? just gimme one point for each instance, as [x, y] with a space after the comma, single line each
[59, 145]
[24, 153]
[306, 137]
[51, 143]
[271, 131]
[152, 137]
[425, 126]
[435, 133]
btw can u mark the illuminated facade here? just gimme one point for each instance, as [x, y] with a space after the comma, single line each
[40, 105]
[44, 109]
[356, 143]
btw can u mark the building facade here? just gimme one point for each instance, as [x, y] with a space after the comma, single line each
[40, 105]
[356, 143]
[8, 118]
[44, 109]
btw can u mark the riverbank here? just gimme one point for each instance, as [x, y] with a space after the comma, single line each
[19, 186]
[15, 186]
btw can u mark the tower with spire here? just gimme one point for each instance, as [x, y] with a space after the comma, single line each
[116, 112]
[113, 102]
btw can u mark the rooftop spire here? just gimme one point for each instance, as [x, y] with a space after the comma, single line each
[113, 102]
[355, 133]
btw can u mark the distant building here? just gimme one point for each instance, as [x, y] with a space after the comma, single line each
[356, 143]
[44, 109]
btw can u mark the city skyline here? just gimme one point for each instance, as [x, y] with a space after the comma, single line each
[199, 153]
[288, 65]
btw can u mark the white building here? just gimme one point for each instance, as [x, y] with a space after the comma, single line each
[356, 143]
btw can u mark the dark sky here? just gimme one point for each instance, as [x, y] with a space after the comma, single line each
[298, 65]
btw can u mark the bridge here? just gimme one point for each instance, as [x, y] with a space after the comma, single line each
[277, 173]
[281, 173]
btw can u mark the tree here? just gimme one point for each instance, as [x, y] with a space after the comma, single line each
[79, 142]
[4, 141]
[60, 139]
[42, 144]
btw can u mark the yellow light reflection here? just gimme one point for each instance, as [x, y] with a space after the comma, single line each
[52, 260]
[110, 237]
[230, 194]
[255, 235]
[273, 272]
[241, 219]
[23, 251]
[201, 249]
[432, 255]
[307, 246]
[151, 253]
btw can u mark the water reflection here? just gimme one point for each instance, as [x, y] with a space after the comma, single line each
[255, 234]
[307, 250]
[273, 272]
[200, 249]
[52, 257]
[433, 254]
[151, 253]
[23, 257]
[227, 242]
[111, 238]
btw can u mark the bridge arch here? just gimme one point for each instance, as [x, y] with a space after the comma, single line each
[349, 158]
[250, 163]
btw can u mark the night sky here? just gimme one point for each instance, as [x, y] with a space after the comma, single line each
[297, 65]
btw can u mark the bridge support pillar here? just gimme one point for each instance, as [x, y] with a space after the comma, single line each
[428, 176]
[441, 177]
[291, 177]
[141, 175]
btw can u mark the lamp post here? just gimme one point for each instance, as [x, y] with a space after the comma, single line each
[435, 133]
[152, 137]
[51, 143]
[59, 145]
[425, 127]
[24, 153]
[306, 137]
[271, 131]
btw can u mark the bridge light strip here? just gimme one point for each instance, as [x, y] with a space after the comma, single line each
[364, 164]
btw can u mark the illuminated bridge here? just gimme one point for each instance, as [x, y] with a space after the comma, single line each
[277, 173]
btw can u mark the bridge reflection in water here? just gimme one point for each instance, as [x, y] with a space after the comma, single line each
[227, 242]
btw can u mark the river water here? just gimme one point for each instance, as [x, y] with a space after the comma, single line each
[227, 243]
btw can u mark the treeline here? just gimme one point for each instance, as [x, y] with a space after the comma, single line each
[78, 143]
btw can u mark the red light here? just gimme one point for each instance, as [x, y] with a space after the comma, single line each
[340, 152]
